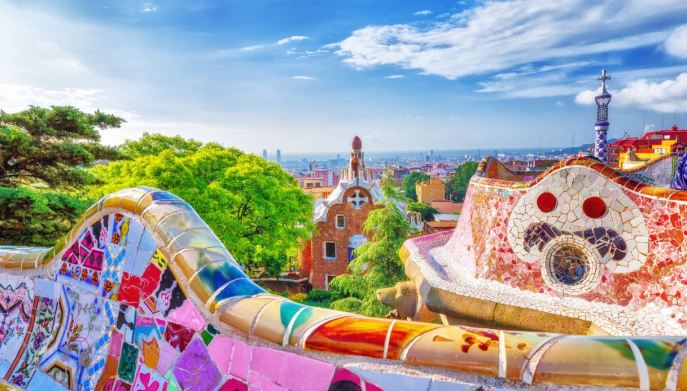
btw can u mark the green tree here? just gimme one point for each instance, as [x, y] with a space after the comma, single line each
[377, 263]
[457, 186]
[41, 146]
[42, 152]
[153, 144]
[37, 218]
[426, 211]
[254, 207]
[409, 184]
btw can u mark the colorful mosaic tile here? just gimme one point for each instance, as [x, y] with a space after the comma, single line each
[195, 370]
[118, 310]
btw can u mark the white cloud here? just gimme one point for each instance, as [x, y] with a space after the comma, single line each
[586, 97]
[283, 41]
[15, 97]
[148, 7]
[251, 48]
[498, 36]
[394, 77]
[666, 96]
[303, 77]
[676, 44]
[293, 38]
[423, 13]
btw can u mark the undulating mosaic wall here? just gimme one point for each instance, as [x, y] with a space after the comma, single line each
[109, 314]
[579, 231]
[143, 296]
[659, 172]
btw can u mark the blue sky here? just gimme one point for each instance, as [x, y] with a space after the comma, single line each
[306, 76]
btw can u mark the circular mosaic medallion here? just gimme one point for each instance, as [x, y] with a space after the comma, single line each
[570, 266]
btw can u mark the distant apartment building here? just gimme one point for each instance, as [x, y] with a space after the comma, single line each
[309, 183]
[431, 190]
[401, 172]
[328, 177]
[516, 165]
[632, 152]
[319, 193]
[376, 172]
[447, 207]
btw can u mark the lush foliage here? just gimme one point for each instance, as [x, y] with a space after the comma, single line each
[254, 207]
[42, 152]
[153, 144]
[298, 297]
[409, 182]
[348, 304]
[40, 146]
[319, 295]
[457, 186]
[32, 217]
[426, 211]
[377, 263]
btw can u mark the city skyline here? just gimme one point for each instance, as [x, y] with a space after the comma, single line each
[307, 77]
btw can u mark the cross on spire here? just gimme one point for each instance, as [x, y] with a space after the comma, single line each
[603, 79]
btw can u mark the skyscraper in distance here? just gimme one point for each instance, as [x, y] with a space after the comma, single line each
[264, 154]
[278, 155]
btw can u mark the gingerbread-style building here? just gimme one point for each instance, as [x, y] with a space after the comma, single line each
[339, 222]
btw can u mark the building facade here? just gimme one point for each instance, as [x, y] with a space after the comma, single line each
[432, 190]
[339, 223]
[632, 152]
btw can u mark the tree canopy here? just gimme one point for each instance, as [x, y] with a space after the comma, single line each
[377, 263]
[457, 186]
[38, 218]
[409, 182]
[152, 144]
[42, 155]
[253, 206]
[426, 211]
[48, 146]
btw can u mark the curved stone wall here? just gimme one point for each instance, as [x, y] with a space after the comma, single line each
[142, 295]
[580, 240]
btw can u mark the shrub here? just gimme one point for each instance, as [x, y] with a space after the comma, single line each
[346, 285]
[298, 297]
[319, 295]
[349, 304]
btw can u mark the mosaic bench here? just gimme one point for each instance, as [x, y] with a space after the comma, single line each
[141, 295]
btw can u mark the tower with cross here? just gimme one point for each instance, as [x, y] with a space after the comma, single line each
[601, 126]
[339, 221]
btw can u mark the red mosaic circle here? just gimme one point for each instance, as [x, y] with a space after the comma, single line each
[546, 202]
[594, 207]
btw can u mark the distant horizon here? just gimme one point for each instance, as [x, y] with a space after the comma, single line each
[407, 153]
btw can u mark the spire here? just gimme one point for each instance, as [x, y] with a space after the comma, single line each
[356, 165]
[601, 126]
[357, 143]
